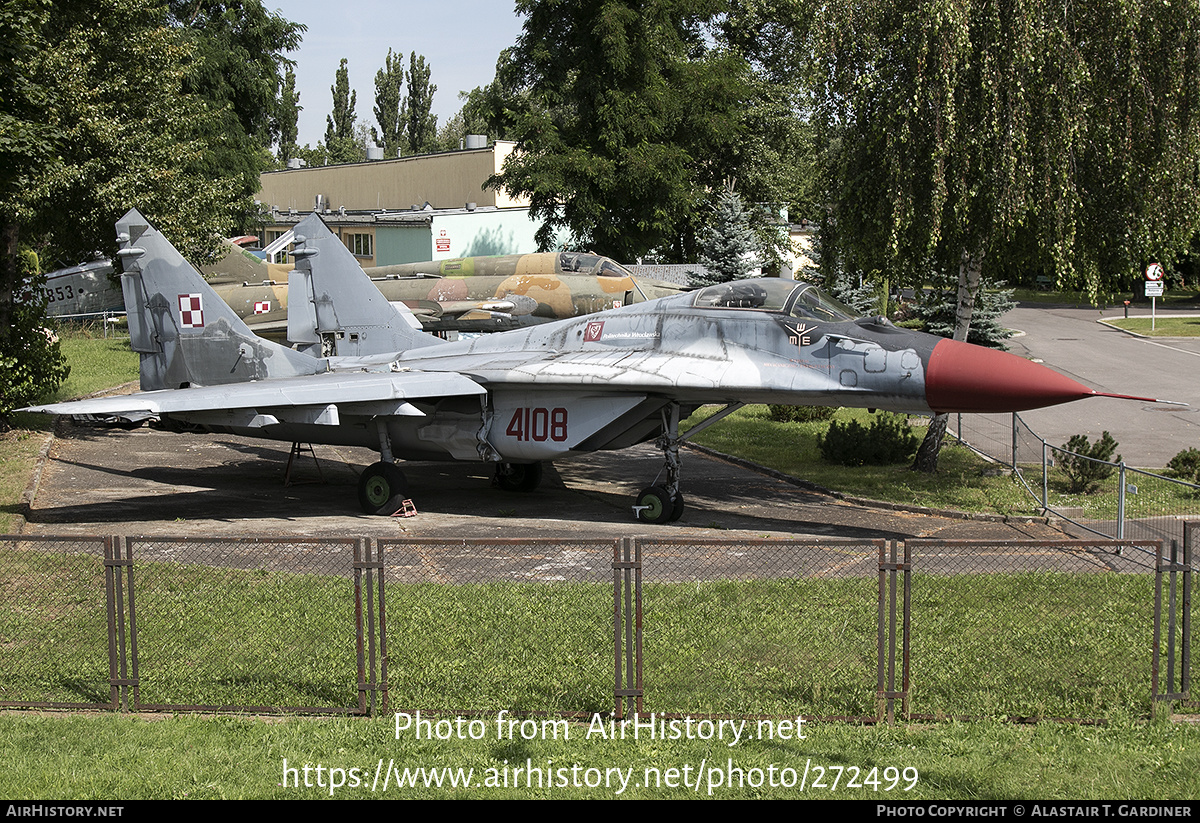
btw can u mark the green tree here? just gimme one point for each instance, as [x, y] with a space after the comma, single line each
[154, 149]
[340, 141]
[288, 116]
[971, 135]
[420, 124]
[31, 363]
[29, 360]
[628, 121]
[388, 115]
[238, 65]
[88, 131]
[473, 118]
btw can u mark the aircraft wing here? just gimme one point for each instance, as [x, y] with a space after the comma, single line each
[348, 392]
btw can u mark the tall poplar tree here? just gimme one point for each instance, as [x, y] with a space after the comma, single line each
[288, 117]
[388, 112]
[340, 141]
[421, 123]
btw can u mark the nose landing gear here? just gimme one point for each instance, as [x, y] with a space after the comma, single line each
[664, 503]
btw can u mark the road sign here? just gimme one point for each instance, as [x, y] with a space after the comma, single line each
[1154, 288]
[1154, 273]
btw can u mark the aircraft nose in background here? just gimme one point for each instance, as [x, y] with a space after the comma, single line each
[962, 377]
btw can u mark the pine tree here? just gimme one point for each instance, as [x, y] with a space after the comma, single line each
[936, 309]
[728, 247]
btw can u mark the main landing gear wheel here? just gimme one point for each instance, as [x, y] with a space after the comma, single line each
[382, 489]
[656, 506]
[519, 477]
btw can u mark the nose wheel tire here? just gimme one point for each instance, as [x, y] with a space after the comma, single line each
[382, 489]
[654, 505]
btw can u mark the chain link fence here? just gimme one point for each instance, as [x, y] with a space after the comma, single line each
[762, 627]
[1121, 502]
[252, 624]
[1035, 630]
[58, 639]
[819, 628]
[483, 625]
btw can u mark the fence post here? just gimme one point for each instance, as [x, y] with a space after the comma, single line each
[627, 626]
[1014, 441]
[1185, 663]
[1121, 500]
[1045, 481]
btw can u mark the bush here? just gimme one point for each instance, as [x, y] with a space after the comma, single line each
[1185, 465]
[801, 414]
[31, 363]
[1080, 462]
[887, 440]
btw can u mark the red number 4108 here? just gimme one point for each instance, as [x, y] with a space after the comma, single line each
[538, 424]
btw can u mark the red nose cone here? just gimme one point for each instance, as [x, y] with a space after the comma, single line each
[965, 378]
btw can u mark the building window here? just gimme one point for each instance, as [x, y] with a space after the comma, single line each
[361, 245]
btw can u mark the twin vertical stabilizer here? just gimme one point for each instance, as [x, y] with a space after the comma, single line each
[186, 334]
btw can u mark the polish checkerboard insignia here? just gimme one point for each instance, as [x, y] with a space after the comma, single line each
[262, 307]
[191, 313]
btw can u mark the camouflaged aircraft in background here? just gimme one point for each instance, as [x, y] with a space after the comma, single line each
[363, 376]
[467, 294]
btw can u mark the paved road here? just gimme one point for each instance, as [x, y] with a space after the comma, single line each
[1070, 341]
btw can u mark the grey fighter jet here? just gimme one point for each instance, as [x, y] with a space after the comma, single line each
[365, 375]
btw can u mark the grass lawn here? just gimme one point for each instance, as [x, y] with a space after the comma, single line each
[125, 758]
[1163, 326]
[964, 480]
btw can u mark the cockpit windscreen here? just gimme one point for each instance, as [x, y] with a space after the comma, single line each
[801, 300]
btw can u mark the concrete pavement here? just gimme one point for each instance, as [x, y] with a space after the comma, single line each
[107, 481]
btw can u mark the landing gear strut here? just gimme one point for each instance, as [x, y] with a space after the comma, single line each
[382, 488]
[664, 503]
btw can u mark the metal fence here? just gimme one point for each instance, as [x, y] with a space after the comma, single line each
[825, 629]
[1127, 503]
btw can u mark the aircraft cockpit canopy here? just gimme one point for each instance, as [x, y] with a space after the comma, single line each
[594, 264]
[801, 300]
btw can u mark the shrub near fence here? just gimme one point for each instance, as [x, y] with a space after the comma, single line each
[1130, 504]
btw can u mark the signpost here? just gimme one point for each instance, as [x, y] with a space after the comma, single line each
[1154, 288]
